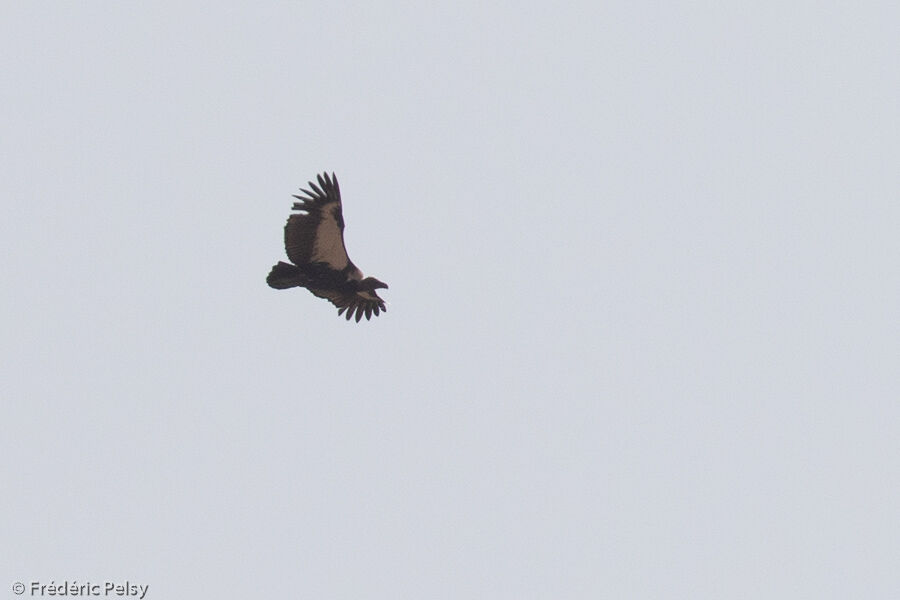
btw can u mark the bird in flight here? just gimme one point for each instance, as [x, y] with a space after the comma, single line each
[314, 241]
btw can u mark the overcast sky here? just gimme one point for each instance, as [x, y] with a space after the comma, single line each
[642, 337]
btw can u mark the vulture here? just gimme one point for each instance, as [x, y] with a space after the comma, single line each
[314, 241]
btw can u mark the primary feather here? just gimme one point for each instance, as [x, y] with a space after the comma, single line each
[314, 241]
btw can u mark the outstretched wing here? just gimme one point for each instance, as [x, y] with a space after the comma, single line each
[358, 303]
[315, 234]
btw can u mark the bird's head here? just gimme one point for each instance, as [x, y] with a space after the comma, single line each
[370, 283]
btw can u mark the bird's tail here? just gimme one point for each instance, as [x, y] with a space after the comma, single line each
[284, 276]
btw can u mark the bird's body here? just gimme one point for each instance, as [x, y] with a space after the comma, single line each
[314, 241]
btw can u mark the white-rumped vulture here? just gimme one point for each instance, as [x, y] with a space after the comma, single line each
[314, 240]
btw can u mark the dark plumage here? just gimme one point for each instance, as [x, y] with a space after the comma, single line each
[314, 240]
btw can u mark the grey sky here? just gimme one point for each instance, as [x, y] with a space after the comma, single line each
[642, 332]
